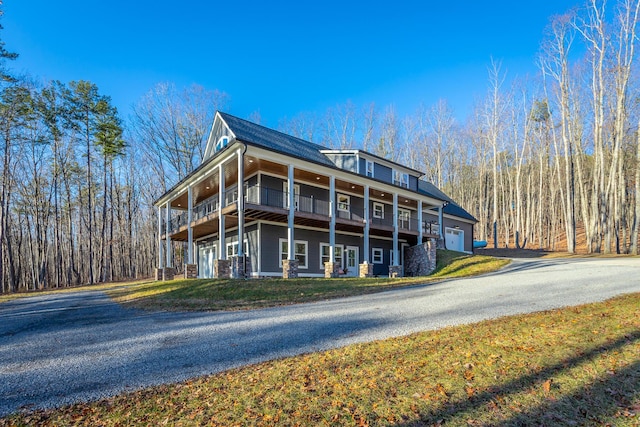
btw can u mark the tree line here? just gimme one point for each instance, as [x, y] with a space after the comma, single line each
[547, 161]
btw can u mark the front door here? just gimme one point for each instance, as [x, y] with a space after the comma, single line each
[351, 261]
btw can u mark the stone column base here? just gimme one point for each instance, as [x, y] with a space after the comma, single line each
[158, 273]
[238, 266]
[290, 268]
[366, 270]
[221, 269]
[191, 271]
[168, 273]
[395, 271]
[331, 270]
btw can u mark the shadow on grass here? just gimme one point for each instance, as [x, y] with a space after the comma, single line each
[602, 399]
[607, 397]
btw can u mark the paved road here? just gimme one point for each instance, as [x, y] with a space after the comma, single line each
[80, 346]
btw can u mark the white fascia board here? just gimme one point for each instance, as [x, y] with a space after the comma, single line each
[198, 175]
[390, 164]
[208, 151]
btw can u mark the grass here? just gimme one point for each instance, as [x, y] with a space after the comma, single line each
[223, 294]
[574, 366]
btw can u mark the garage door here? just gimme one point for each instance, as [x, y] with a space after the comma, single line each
[454, 239]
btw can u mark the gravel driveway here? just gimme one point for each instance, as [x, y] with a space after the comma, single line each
[63, 348]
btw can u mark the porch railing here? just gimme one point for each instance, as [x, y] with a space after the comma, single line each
[266, 196]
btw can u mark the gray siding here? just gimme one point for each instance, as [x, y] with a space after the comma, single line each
[270, 249]
[413, 183]
[386, 246]
[272, 182]
[452, 223]
[315, 192]
[383, 173]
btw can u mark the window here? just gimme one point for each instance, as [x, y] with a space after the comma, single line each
[403, 219]
[377, 256]
[325, 254]
[337, 255]
[299, 252]
[232, 249]
[378, 210]
[344, 203]
[401, 179]
[222, 143]
[370, 168]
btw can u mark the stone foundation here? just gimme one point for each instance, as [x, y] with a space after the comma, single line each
[168, 273]
[366, 270]
[221, 269]
[395, 271]
[331, 270]
[158, 273]
[191, 271]
[420, 260]
[240, 267]
[290, 269]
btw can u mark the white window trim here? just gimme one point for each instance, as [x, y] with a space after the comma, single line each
[378, 251]
[344, 206]
[340, 247]
[231, 244]
[322, 246]
[400, 179]
[369, 163]
[381, 205]
[295, 242]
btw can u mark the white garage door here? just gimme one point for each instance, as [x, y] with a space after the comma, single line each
[454, 239]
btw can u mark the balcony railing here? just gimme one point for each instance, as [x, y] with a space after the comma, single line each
[310, 204]
[431, 228]
[205, 207]
[354, 213]
[265, 196]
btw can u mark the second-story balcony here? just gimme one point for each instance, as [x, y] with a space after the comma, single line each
[272, 204]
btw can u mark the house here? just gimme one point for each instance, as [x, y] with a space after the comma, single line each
[264, 203]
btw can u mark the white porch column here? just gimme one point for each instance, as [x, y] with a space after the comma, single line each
[292, 212]
[160, 257]
[168, 238]
[240, 203]
[189, 229]
[366, 224]
[221, 235]
[395, 230]
[420, 227]
[440, 227]
[332, 219]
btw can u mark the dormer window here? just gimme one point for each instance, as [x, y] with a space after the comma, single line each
[222, 143]
[370, 168]
[401, 179]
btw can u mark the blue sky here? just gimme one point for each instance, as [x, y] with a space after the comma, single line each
[281, 58]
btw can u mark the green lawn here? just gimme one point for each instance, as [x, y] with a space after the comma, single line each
[224, 294]
[574, 366]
